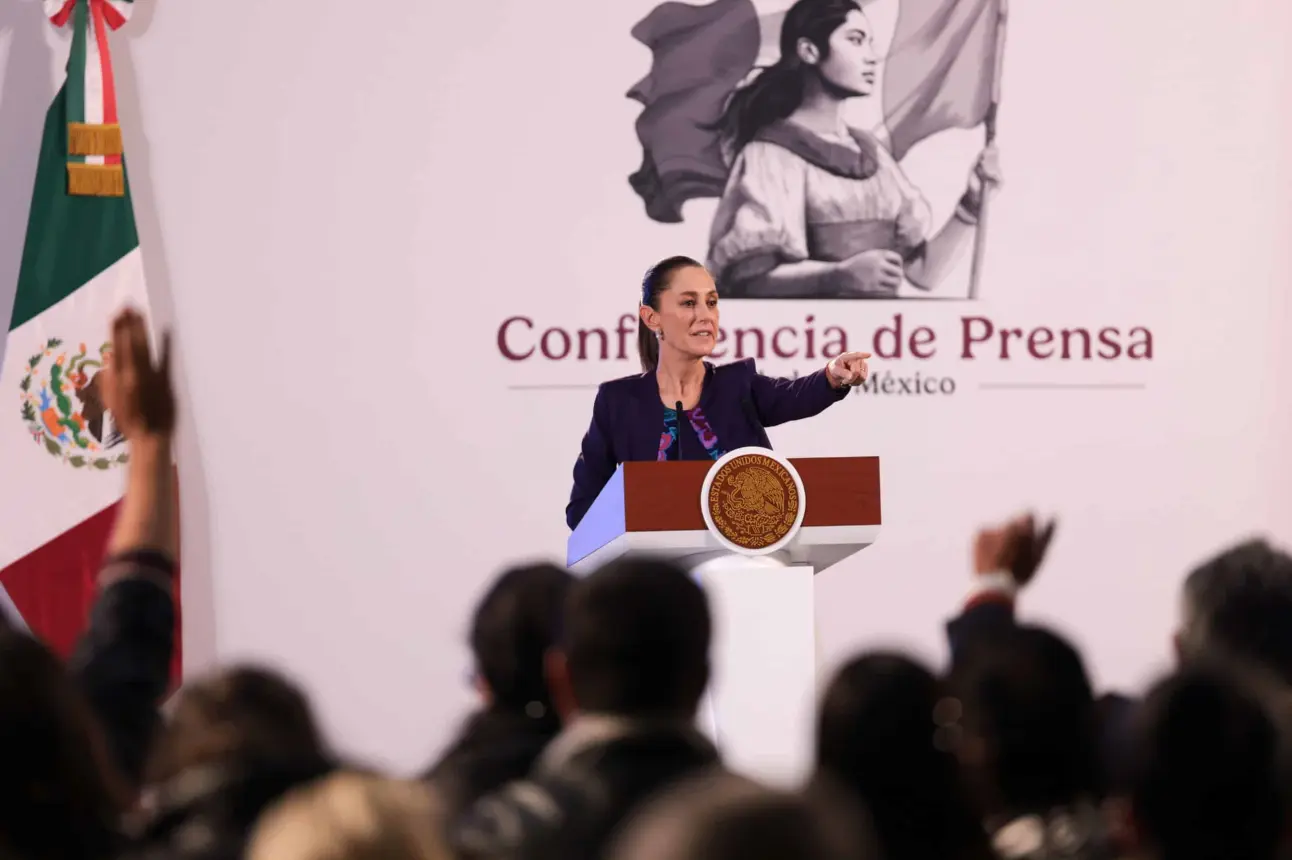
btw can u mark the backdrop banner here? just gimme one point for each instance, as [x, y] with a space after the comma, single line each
[406, 247]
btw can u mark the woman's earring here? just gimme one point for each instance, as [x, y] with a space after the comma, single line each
[659, 335]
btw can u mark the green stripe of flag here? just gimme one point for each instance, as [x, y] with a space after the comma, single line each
[76, 63]
[69, 239]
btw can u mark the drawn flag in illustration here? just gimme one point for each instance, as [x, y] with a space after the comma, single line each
[700, 54]
[940, 73]
[63, 461]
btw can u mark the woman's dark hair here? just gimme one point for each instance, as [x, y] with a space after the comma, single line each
[636, 637]
[657, 281]
[514, 626]
[242, 719]
[777, 91]
[1205, 765]
[878, 734]
[59, 795]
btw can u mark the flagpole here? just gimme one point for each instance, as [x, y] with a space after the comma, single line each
[989, 128]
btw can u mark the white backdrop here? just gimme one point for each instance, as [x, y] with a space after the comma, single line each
[341, 202]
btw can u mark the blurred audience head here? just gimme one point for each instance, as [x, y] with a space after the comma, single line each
[726, 817]
[1206, 781]
[514, 626]
[887, 731]
[242, 718]
[635, 642]
[60, 795]
[1238, 606]
[351, 816]
[1030, 734]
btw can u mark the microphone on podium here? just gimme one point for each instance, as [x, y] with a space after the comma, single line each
[679, 430]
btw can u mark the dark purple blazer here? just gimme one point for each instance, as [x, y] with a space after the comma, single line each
[739, 402]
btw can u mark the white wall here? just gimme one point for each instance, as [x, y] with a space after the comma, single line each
[340, 203]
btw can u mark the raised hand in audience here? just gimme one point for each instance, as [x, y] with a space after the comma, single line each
[136, 390]
[1017, 549]
[141, 400]
[122, 662]
[1005, 558]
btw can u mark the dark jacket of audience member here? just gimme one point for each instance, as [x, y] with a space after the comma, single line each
[887, 731]
[1029, 735]
[513, 629]
[123, 661]
[632, 669]
[235, 743]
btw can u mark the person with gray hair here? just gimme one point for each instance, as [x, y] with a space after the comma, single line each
[1237, 607]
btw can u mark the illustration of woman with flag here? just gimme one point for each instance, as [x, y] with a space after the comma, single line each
[810, 207]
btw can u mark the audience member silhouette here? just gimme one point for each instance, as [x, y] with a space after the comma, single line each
[628, 677]
[61, 797]
[1030, 743]
[513, 629]
[235, 743]
[888, 730]
[1206, 782]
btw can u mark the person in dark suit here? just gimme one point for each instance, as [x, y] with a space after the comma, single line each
[681, 407]
[627, 677]
[1006, 559]
[1029, 739]
[1237, 609]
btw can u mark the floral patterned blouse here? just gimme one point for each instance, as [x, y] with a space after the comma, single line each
[669, 448]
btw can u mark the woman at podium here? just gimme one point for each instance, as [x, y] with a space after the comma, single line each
[682, 407]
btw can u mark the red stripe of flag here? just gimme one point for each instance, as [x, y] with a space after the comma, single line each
[115, 19]
[54, 586]
[98, 7]
[60, 18]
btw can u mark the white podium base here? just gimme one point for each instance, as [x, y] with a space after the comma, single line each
[760, 710]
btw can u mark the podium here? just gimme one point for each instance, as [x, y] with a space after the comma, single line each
[761, 704]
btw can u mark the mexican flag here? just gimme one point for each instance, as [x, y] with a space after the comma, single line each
[63, 461]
